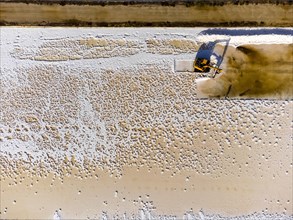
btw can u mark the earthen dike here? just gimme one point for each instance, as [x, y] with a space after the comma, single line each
[225, 13]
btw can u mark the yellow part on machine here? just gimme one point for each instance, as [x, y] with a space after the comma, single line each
[203, 65]
[204, 61]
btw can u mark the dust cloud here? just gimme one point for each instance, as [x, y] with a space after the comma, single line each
[254, 71]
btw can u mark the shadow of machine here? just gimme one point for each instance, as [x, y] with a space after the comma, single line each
[207, 60]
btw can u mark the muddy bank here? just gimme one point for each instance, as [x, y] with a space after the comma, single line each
[173, 3]
[137, 15]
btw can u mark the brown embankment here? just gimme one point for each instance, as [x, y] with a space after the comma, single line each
[147, 14]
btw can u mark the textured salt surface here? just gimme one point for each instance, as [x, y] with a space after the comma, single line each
[100, 117]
